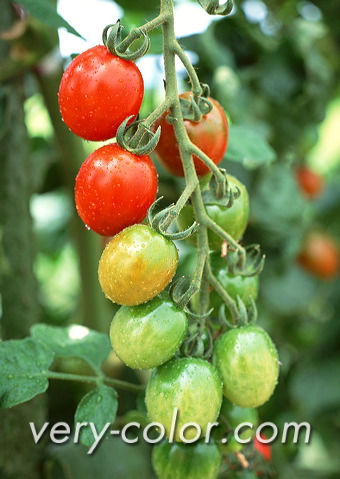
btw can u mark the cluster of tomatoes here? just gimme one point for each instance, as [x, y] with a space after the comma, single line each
[113, 192]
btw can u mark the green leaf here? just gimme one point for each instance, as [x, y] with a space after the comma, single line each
[24, 367]
[98, 407]
[45, 12]
[74, 341]
[247, 147]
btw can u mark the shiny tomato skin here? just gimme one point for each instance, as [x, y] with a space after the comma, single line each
[320, 255]
[210, 135]
[148, 335]
[97, 92]
[114, 189]
[310, 183]
[136, 265]
[192, 385]
[248, 363]
[186, 461]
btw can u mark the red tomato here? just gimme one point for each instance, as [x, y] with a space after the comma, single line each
[263, 448]
[114, 189]
[311, 184]
[97, 92]
[320, 255]
[210, 135]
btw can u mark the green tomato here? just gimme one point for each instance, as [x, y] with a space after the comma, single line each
[233, 220]
[248, 362]
[148, 335]
[136, 265]
[194, 387]
[186, 461]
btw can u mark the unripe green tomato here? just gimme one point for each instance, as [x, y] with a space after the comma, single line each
[148, 335]
[194, 387]
[232, 220]
[186, 461]
[248, 362]
[136, 265]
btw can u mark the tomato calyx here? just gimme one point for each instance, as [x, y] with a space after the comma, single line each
[136, 137]
[212, 7]
[112, 40]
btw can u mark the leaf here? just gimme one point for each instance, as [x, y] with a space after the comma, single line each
[74, 341]
[24, 367]
[45, 12]
[98, 407]
[247, 147]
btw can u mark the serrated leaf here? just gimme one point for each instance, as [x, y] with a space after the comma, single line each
[23, 373]
[74, 341]
[246, 146]
[98, 407]
[46, 13]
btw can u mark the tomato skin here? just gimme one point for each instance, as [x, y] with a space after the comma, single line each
[148, 335]
[97, 92]
[263, 448]
[210, 135]
[114, 189]
[186, 461]
[233, 220]
[136, 265]
[247, 360]
[193, 386]
[311, 184]
[320, 255]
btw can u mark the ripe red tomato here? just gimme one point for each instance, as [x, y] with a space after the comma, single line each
[114, 189]
[97, 92]
[210, 135]
[311, 184]
[320, 255]
[263, 448]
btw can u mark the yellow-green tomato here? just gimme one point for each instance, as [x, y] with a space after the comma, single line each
[148, 335]
[136, 265]
[186, 461]
[248, 362]
[232, 220]
[190, 386]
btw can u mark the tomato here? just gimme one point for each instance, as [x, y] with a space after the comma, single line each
[320, 255]
[263, 448]
[186, 461]
[248, 362]
[114, 189]
[234, 416]
[311, 184]
[147, 335]
[136, 265]
[210, 135]
[97, 92]
[233, 220]
[190, 384]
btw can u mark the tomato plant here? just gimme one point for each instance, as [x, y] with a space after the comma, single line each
[114, 189]
[248, 362]
[193, 386]
[147, 335]
[136, 265]
[311, 184]
[97, 92]
[320, 255]
[186, 461]
[232, 220]
[210, 135]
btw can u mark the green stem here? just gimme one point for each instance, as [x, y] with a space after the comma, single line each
[147, 27]
[195, 83]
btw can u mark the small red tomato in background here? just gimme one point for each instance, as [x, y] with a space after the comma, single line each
[263, 448]
[320, 255]
[97, 92]
[210, 135]
[114, 189]
[311, 184]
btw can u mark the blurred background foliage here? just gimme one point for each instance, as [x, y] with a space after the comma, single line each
[274, 66]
